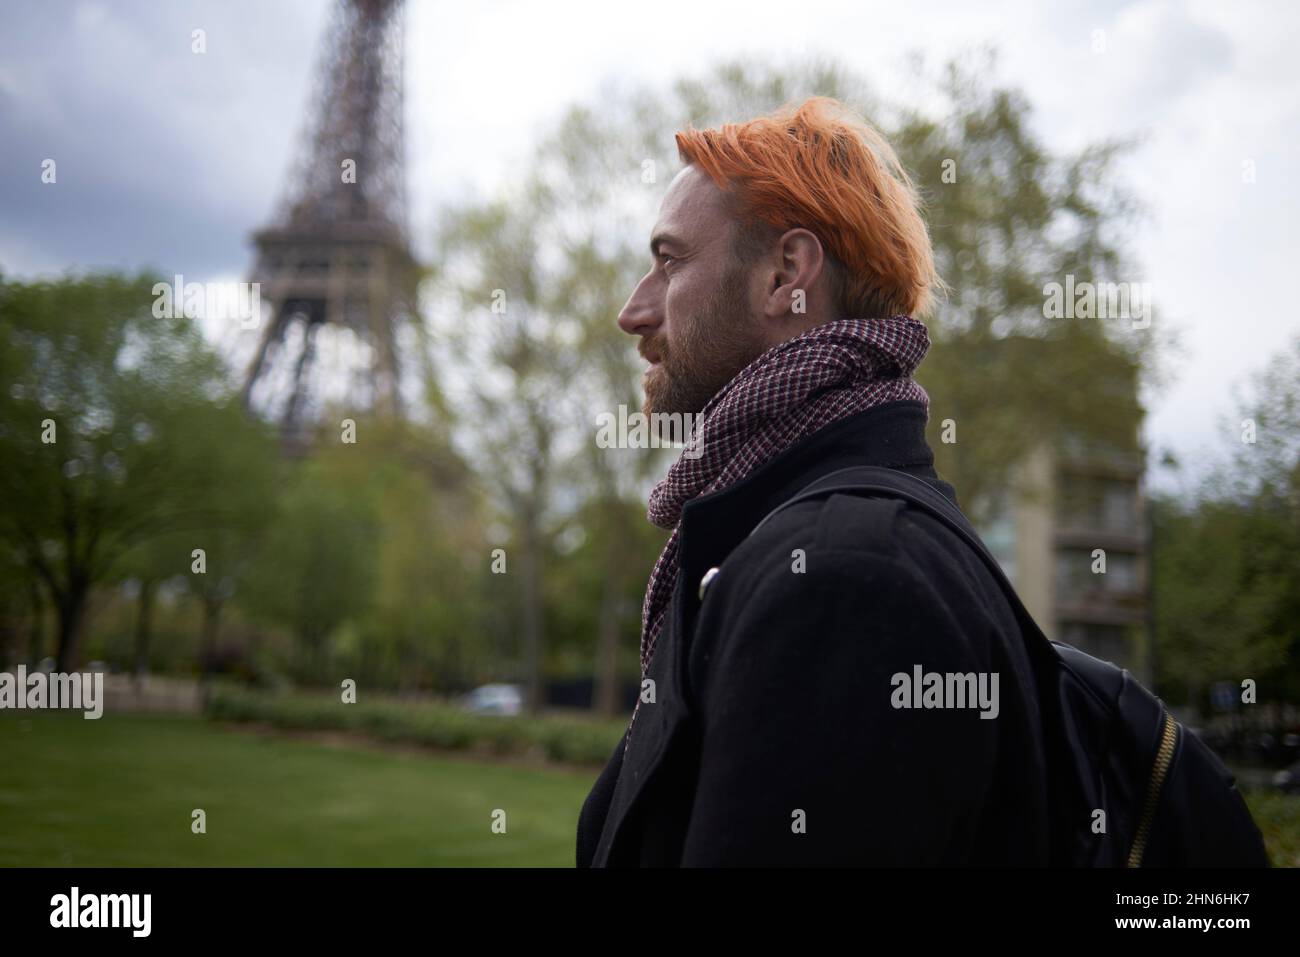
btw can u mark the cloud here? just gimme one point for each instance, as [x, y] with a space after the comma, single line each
[165, 157]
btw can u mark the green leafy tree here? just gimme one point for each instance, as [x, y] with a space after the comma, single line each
[315, 569]
[1226, 581]
[116, 426]
[429, 624]
[510, 357]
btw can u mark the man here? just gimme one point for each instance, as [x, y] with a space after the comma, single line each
[778, 723]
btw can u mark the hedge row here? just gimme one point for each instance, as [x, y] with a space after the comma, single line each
[569, 740]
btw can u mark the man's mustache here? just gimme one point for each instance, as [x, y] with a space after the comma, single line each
[653, 350]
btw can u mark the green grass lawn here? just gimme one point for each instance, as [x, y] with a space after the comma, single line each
[120, 791]
[1278, 817]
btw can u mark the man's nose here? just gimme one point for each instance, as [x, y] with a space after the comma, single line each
[643, 312]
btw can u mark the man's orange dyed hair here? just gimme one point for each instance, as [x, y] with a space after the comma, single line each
[821, 167]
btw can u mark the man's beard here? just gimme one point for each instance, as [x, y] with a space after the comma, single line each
[717, 343]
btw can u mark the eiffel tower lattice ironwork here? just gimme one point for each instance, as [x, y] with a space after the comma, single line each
[337, 253]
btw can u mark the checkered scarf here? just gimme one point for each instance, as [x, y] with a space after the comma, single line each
[830, 372]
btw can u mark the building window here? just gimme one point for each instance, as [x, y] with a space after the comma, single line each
[1076, 580]
[998, 532]
[1095, 504]
[1107, 642]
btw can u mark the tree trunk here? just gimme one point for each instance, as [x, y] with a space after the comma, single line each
[72, 613]
[143, 630]
[37, 636]
[532, 615]
[207, 647]
[605, 699]
[8, 643]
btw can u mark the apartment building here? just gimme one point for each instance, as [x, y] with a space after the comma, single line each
[1072, 535]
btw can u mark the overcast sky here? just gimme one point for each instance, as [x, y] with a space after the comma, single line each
[168, 160]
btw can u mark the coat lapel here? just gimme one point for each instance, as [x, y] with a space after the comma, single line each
[655, 727]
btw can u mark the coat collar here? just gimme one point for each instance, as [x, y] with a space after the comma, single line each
[891, 436]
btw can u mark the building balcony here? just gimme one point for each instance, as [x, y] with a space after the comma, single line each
[1098, 607]
[1090, 537]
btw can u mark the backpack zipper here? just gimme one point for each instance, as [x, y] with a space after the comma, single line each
[1163, 758]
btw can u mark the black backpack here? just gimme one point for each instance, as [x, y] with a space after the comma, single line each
[1111, 744]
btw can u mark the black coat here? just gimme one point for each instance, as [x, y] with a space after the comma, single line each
[774, 738]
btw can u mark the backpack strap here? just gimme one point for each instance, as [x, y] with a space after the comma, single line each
[874, 481]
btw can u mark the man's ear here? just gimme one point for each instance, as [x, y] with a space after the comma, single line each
[799, 266]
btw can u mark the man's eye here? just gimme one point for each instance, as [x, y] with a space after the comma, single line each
[665, 258]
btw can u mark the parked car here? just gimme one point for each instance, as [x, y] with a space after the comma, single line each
[1288, 780]
[495, 699]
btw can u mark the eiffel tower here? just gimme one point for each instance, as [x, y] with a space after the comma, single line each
[336, 256]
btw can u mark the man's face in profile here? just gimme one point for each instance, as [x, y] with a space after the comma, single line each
[693, 309]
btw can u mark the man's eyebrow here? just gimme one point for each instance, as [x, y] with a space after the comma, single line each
[658, 239]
